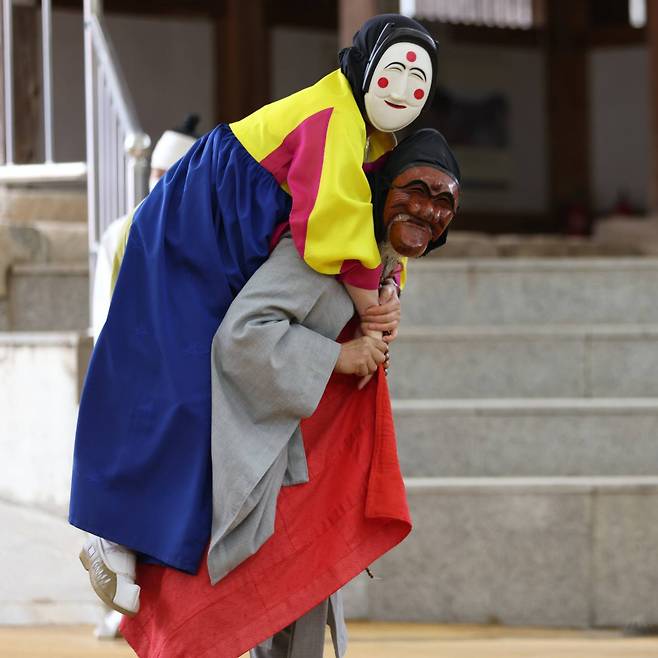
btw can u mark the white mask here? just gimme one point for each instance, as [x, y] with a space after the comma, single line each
[399, 87]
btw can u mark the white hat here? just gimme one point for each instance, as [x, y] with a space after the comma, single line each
[170, 148]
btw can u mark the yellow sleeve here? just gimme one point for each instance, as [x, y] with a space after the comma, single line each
[334, 225]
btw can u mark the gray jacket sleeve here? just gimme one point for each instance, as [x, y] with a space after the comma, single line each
[271, 359]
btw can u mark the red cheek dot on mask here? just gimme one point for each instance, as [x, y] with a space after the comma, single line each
[411, 56]
[382, 82]
[418, 94]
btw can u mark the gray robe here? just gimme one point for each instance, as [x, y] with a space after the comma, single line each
[271, 359]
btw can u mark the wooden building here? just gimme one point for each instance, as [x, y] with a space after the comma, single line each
[553, 101]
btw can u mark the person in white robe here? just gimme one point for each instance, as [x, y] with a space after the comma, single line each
[171, 147]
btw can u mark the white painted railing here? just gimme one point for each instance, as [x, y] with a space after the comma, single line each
[117, 147]
[117, 165]
[49, 170]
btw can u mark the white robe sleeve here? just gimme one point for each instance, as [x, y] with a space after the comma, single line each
[102, 285]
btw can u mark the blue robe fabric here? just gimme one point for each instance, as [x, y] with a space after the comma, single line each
[142, 465]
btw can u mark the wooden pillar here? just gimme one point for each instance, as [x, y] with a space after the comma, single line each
[652, 48]
[27, 84]
[539, 13]
[242, 46]
[568, 106]
[351, 15]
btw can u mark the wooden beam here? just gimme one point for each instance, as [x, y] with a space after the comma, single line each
[610, 13]
[617, 37]
[297, 13]
[242, 46]
[159, 8]
[568, 106]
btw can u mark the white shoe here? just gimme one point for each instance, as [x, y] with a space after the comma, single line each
[108, 628]
[111, 570]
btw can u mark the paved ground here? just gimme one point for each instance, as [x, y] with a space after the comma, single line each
[370, 640]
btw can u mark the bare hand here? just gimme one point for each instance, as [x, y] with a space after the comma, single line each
[364, 380]
[361, 356]
[386, 316]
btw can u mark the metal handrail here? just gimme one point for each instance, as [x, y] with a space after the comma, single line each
[8, 79]
[117, 165]
[107, 60]
[117, 147]
[47, 49]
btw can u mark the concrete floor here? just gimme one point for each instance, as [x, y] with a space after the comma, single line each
[370, 640]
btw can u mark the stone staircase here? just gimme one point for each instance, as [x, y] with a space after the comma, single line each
[526, 405]
[526, 402]
[43, 259]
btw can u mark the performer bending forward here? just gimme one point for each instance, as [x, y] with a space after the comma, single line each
[279, 552]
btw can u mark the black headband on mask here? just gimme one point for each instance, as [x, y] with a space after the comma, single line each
[424, 147]
[376, 35]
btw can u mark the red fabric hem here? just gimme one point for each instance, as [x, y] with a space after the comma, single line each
[357, 274]
[352, 511]
[318, 590]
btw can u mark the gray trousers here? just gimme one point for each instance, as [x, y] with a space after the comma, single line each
[304, 638]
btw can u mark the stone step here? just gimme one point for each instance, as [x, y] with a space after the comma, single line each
[473, 244]
[43, 241]
[531, 291]
[571, 552]
[65, 241]
[521, 438]
[525, 361]
[18, 204]
[48, 297]
[43, 581]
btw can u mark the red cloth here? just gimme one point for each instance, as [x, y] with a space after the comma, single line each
[352, 511]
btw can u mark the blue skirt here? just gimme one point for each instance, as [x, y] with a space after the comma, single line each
[142, 466]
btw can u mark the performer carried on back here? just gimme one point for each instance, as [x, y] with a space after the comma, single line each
[142, 467]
